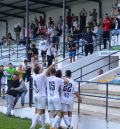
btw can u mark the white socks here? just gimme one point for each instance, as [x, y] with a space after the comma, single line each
[43, 121]
[35, 121]
[57, 120]
[67, 120]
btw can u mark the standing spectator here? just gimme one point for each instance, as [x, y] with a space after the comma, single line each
[26, 70]
[71, 49]
[43, 47]
[34, 50]
[88, 40]
[69, 21]
[20, 72]
[10, 70]
[117, 25]
[3, 75]
[41, 21]
[83, 16]
[50, 22]
[60, 21]
[51, 53]
[22, 90]
[106, 26]
[11, 94]
[94, 15]
[33, 30]
[17, 30]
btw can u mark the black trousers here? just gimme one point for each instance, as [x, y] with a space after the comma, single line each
[106, 36]
[88, 48]
[49, 60]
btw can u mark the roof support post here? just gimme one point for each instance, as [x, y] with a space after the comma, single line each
[27, 26]
[64, 21]
[100, 9]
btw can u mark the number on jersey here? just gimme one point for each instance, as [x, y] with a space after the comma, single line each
[35, 85]
[52, 87]
[68, 87]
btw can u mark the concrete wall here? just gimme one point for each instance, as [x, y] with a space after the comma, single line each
[55, 13]
[93, 67]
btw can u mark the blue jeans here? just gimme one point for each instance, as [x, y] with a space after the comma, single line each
[10, 103]
[22, 95]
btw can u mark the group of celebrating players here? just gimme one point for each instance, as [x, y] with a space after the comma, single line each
[55, 93]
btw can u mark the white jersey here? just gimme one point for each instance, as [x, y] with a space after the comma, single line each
[53, 87]
[39, 85]
[67, 92]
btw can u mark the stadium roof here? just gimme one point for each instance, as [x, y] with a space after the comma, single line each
[17, 8]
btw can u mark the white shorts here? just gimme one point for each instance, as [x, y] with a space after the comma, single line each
[54, 105]
[3, 82]
[40, 102]
[67, 107]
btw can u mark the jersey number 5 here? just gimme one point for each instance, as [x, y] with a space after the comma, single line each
[52, 85]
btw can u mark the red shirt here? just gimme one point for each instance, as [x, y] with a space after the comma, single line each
[106, 24]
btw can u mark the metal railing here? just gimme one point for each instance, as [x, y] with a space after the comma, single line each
[106, 96]
[94, 62]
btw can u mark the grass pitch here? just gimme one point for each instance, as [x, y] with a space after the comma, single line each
[15, 123]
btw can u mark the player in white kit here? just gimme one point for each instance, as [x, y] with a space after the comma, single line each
[40, 97]
[67, 92]
[53, 93]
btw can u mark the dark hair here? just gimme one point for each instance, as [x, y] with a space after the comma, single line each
[10, 64]
[68, 73]
[53, 71]
[36, 69]
[25, 60]
[33, 45]
[59, 73]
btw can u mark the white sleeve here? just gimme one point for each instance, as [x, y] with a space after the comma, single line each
[61, 81]
[75, 87]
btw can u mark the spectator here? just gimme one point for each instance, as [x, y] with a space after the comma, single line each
[41, 21]
[69, 22]
[94, 15]
[26, 70]
[2, 81]
[20, 72]
[33, 30]
[43, 47]
[11, 71]
[51, 22]
[88, 40]
[83, 16]
[22, 90]
[51, 53]
[17, 30]
[106, 26]
[71, 49]
[34, 50]
[11, 94]
[100, 71]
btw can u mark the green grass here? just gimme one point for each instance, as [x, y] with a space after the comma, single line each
[15, 123]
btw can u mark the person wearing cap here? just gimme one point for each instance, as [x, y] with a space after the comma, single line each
[106, 26]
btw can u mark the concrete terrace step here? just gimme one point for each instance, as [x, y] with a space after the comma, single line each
[98, 91]
[97, 111]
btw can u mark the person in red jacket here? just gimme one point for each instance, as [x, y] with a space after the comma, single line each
[106, 26]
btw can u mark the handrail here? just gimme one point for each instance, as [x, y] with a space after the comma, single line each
[106, 96]
[95, 61]
[96, 69]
